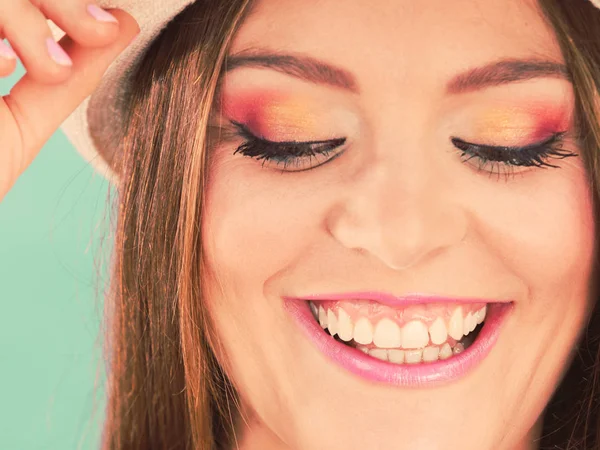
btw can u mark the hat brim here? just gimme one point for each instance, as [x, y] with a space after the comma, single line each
[94, 127]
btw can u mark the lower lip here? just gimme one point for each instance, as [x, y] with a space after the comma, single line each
[413, 375]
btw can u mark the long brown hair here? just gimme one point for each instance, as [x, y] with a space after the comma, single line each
[165, 388]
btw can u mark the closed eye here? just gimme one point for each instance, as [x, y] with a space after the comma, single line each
[495, 157]
[291, 156]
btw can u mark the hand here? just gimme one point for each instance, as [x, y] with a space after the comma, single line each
[56, 80]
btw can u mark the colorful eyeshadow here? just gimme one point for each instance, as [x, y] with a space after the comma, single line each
[515, 126]
[273, 115]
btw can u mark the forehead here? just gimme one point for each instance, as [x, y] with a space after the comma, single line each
[400, 43]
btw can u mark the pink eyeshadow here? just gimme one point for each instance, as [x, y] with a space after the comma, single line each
[252, 109]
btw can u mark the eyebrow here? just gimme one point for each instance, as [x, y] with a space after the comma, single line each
[303, 67]
[504, 72]
[309, 69]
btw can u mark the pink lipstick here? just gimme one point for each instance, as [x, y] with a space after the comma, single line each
[414, 340]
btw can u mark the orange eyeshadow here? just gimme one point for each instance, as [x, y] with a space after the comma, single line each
[273, 115]
[514, 126]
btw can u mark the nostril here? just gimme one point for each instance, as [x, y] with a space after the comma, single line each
[398, 226]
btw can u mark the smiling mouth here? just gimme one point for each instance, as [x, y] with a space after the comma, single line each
[415, 341]
[411, 337]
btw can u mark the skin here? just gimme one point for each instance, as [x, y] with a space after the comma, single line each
[397, 212]
[92, 45]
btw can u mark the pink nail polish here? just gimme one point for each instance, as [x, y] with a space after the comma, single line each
[101, 15]
[57, 53]
[6, 52]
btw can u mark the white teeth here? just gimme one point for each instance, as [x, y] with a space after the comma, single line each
[469, 324]
[438, 332]
[379, 353]
[322, 317]
[473, 323]
[363, 331]
[415, 335]
[331, 322]
[445, 351]
[413, 356]
[387, 334]
[413, 343]
[480, 315]
[345, 328]
[466, 324]
[396, 356]
[431, 353]
[455, 326]
[314, 309]
[458, 348]
[428, 354]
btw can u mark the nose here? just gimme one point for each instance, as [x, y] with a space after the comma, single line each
[399, 216]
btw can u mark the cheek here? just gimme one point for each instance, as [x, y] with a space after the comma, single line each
[255, 226]
[543, 229]
[253, 229]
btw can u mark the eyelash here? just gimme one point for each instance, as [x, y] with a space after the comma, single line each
[491, 159]
[504, 159]
[288, 153]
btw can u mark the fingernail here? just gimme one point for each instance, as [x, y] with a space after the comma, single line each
[99, 14]
[57, 53]
[6, 51]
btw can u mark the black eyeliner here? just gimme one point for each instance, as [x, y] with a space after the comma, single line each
[284, 152]
[532, 155]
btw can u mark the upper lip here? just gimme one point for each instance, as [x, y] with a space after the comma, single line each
[399, 300]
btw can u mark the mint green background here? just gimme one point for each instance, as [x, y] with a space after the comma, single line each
[52, 226]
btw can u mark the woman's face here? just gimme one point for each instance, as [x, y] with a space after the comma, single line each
[417, 207]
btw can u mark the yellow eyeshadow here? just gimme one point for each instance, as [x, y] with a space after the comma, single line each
[289, 115]
[505, 126]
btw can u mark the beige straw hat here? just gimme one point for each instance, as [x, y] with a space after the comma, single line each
[97, 122]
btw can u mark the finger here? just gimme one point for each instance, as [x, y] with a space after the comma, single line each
[8, 59]
[39, 108]
[29, 35]
[87, 24]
